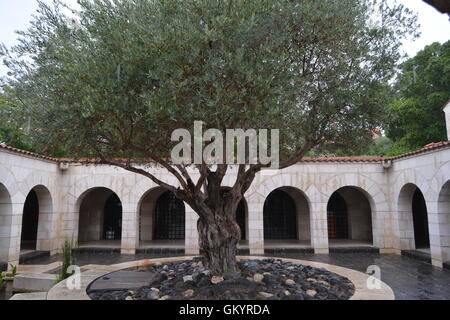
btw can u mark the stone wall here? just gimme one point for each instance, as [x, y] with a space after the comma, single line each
[382, 201]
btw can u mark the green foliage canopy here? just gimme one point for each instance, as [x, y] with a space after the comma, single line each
[422, 89]
[120, 76]
[14, 125]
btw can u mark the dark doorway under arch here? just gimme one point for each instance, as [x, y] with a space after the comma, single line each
[420, 220]
[280, 216]
[100, 216]
[349, 216]
[169, 218]
[112, 221]
[30, 221]
[240, 218]
[337, 217]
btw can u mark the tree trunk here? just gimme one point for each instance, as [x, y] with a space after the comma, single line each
[218, 240]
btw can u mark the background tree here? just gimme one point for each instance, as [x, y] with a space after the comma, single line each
[18, 128]
[14, 125]
[119, 79]
[422, 88]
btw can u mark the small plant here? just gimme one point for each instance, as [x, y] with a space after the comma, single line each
[2, 280]
[13, 270]
[67, 258]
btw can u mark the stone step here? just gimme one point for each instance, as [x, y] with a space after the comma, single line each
[30, 296]
[33, 282]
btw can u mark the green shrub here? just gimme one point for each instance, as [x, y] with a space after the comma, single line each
[67, 261]
[13, 270]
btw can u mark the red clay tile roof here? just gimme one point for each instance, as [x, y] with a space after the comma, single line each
[343, 159]
[429, 147]
[28, 153]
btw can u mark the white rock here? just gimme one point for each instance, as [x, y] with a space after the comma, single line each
[188, 293]
[188, 278]
[290, 282]
[265, 294]
[324, 283]
[258, 277]
[311, 292]
[216, 279]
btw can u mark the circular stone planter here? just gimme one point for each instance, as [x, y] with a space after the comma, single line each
[359, 280]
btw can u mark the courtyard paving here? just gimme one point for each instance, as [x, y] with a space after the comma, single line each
[410, 279]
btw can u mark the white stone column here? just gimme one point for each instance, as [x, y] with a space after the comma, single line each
[434, 230]
[319, 227]
[404, 220]
[130, 228]
[191, 234]
[15, 231]
[382, 232]
[6, 218]
[46, 231]
[70, 221]
[255, 204]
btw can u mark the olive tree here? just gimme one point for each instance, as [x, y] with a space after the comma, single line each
[114, 78]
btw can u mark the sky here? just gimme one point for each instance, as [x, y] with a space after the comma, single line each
[16, 14]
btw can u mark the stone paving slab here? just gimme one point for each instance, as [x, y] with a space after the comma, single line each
[31, 268]
[62, 292]
[124, 279]
[30, 296]
[29, 282]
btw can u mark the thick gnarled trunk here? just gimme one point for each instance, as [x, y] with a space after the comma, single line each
[218, 240]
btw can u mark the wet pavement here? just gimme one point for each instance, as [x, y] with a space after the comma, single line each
[410, 279]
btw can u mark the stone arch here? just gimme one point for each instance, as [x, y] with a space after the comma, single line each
[99, 215]
[6, 222]
[378, 200]
[412, 217]
[79, 189]
[152, 219]
[292, 206]
[9, 182]
[370, 188]
[349, 214]
[37, 231]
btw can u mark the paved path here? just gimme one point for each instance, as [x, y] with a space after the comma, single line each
[410, 279]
